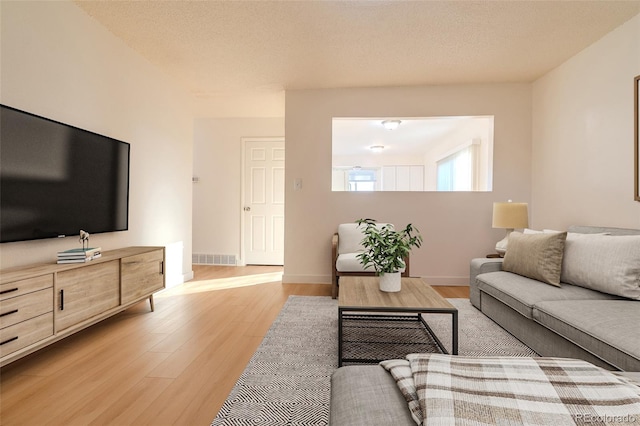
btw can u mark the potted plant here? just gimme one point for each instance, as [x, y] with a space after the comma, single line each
[385, 249]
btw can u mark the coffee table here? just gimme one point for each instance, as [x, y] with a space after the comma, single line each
[362, 294]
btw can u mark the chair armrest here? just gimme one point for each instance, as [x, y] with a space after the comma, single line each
[406, 272]
[334, 272]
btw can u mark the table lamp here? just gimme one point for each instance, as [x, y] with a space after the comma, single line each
[509, 216]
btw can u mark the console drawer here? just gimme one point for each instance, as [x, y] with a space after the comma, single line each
[25, 333]
[22, 308]
[29, 285]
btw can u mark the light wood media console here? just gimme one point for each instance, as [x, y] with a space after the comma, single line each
[43, 303]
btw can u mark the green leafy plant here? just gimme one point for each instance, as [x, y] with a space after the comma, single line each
[386, 248]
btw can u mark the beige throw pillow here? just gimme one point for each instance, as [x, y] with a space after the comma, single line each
[537, 256]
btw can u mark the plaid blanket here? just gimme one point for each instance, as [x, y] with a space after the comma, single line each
[456, 390]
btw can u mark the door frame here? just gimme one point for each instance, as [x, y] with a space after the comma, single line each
[244, 141]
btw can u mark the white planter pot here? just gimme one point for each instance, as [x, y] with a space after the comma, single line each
[390, 282]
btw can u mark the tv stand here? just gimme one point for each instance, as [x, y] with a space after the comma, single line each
[43, 303]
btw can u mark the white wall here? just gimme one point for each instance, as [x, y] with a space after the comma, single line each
[456, 226]
[59, 63]
[583, 136]
[217, 162]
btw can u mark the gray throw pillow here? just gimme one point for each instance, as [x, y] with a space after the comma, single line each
[606, 263]
[536, 256]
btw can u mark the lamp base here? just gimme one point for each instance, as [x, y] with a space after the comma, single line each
[501, 246]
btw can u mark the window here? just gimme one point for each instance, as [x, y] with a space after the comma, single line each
[362, 180]
[458, 171]
[355, 179]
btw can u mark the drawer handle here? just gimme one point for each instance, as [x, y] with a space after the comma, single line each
[8, 291]
[9, 340]
[15, 311]
[62, 300]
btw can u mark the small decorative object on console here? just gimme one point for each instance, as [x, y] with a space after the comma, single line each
[80, 255]
[84, 238]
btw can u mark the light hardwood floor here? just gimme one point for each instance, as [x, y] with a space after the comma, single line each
[174, 366]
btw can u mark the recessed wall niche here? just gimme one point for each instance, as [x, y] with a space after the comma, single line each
[412, 154]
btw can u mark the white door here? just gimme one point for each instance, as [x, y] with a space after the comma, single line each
[263, 207]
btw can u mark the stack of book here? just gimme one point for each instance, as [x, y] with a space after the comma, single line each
[79, 255]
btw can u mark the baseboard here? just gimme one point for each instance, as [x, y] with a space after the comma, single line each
[306, 279]
[448, 281]
[176, 280]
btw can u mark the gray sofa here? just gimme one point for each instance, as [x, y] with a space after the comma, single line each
[569, 321]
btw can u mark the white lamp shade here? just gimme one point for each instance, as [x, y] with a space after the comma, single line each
[510, 215]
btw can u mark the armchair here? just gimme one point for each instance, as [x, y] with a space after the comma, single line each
[345, 246]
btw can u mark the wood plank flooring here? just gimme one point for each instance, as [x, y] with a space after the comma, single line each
[175, 366]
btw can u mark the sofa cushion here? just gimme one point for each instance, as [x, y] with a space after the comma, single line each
[603, 230]
[606, 328]
[610, 264]
[522, 293]
[537, 256]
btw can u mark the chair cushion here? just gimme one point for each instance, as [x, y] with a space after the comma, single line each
[522, 293]
[350, 237]
[608, 328]
[348, 262]
[606, 263]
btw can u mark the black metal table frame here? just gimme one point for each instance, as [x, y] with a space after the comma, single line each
[390, 310]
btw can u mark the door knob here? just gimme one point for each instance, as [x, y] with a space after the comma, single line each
[247, 209]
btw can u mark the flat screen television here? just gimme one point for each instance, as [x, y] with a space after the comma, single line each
[57, 179]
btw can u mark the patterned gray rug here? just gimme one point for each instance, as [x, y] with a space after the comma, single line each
[287, 381]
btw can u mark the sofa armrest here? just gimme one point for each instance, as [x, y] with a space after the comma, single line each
[481, 266]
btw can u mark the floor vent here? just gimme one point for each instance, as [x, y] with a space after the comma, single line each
[213, 259]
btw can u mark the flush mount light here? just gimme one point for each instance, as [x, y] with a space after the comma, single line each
[377, 148]
[391, 124]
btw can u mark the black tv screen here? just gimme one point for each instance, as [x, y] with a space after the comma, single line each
[57, 179]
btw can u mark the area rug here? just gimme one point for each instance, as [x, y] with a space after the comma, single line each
[287, 381]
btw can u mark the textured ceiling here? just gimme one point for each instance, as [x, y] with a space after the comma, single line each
[221, 48]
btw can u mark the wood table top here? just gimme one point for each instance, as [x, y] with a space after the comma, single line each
[415, 294]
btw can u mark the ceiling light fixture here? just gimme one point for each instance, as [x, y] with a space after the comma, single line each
[377, 148]
[391, 124]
